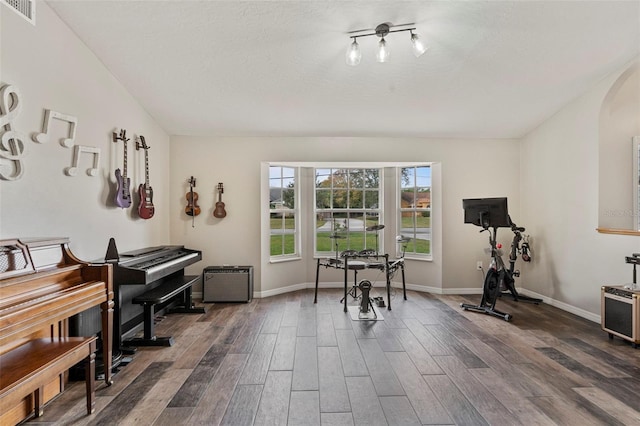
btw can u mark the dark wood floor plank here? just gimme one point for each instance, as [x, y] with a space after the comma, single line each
[290, 315]
[243, 405]
[363, 329]
[564, 412]
[418, 354]
[198, 348]
[122, 404]
[325, 331]
[336, 419]
[215, 400]
[341, 320]
[611, 405]
[194, 387]
[398, 410]
[255, 371]
[274, 402]
[503, 371]
[153, 402]
[333, 389]
[423, 399]
[247, 337]
[632, 368]
[365, 404]
[304, 408]
[380, 371]
[305, 365]
[455, 346]
[386, 337]
[426, 339]
[490, 407]
[352, 360]
[307, 323]
[172, 416]
[457, 405]
[513, 395]
[271, 323]
[284, 350]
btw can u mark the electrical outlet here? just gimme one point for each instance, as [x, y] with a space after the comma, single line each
[479, 265]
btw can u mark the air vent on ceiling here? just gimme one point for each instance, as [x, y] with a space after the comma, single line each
[24, 8]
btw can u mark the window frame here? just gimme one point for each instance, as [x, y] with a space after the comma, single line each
[362, 211]
[297, 252]
[400, 231]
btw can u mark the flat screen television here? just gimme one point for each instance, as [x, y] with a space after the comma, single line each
[487, 212]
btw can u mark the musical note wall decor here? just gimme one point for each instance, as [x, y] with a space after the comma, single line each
[49, 115]
[11, 145]
[77, 152]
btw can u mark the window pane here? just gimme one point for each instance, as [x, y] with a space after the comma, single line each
[288, 172]
[340, 178]
[323, 198]
[372, 178]
[407, 179]
[356, 179]
[339, 199]
[282, 196]
[288, 199]
[423, 176]
[371, 199]
[322, 178]
[355, 199]
[342, 203]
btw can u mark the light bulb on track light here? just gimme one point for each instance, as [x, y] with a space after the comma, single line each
[353, 54]
[383, 51]
[418, 47]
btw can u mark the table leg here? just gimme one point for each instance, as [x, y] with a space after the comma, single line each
[404, 287]
[346, 278]
[315, 298]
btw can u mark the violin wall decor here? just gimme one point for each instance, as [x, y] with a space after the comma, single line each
[219, 211]
[192, 208]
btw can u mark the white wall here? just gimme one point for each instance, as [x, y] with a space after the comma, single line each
[559, 202]
[54, 70]
[469, 169]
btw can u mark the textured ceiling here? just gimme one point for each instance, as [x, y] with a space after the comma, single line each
[277, 68]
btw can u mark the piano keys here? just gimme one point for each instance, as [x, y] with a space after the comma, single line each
[136, 275]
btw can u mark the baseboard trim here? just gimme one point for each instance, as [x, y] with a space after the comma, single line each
[427, 289]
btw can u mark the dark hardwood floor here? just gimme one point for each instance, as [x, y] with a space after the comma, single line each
[283, 360]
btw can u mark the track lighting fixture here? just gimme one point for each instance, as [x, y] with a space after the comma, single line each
[382, 55]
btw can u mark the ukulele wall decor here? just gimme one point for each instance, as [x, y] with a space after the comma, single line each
[192, 208]
[145, 208]
[123, 194]
[219, 211]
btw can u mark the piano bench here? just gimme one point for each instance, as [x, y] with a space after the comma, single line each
[29, 367]
[161, 294]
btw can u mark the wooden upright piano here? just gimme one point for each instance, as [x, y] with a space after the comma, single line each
[42, 284]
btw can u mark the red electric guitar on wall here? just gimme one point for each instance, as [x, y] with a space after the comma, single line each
[145, 208]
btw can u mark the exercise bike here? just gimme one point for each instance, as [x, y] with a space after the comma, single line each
[491, 214]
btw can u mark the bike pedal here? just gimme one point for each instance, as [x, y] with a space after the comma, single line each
[516, 273]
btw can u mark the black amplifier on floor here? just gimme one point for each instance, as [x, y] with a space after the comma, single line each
[620, 313]
[227, 284]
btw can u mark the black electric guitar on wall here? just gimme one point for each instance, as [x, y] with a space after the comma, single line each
[123, 194]
[145, 208]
